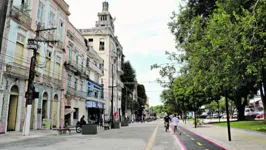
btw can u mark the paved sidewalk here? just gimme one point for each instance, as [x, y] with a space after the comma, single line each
[16, 136]
[241, 139]
[136, 136]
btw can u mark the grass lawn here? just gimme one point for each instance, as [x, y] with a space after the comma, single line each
[256, 125]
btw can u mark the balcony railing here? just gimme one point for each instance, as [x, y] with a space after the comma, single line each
[59, 44]
[49, 36]
[21, 16]
[73, 64]
[47, 79]
[113, 54]
[71, 91]
[120, 84]
[120, 71]
[94, 67]
[37, 77]
[57, 82]
[17, 70]
[83, 94]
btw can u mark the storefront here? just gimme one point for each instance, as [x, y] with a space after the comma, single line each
[95, 111]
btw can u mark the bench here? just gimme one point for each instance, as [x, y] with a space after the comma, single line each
[63, 131]
[106, 127]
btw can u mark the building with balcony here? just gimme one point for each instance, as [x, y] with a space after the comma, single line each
[15, 63]
[14, 66]
[106, 44]
[82, 65]
[50, 62]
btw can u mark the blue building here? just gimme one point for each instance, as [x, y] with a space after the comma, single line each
[95, 103]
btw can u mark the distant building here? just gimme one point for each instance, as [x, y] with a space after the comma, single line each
[107, 45]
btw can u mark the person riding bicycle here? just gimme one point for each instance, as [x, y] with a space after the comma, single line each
[167, 120]
[82, 121]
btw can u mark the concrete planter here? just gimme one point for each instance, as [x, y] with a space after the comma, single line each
[124, 123]
[149, 120]
[116, 125]
[89, 129]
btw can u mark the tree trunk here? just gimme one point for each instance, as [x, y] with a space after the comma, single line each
[240, 108]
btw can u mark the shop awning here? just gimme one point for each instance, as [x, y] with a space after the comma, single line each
[69, 111]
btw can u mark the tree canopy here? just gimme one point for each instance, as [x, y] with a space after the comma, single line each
[221, 48]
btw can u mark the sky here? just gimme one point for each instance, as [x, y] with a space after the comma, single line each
[141, 27]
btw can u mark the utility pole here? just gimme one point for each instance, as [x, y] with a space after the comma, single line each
[228, 118]
[112, 100]
[126, 104]
[31, 94]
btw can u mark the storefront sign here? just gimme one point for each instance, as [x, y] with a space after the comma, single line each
[88, 104]
[94, 105]
[91, 104]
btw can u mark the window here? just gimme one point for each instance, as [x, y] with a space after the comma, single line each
[69, 80]
[96, 78]
[40, 12]
[48, 54]
[76, 114]
[82, 63]
[21, 39]
[76, 84]
[18, 59]
[81, 85]
[69, 53]
[57, 66]
[101, 45]
[90, 42]
[60, 29]
[96, 95]
[88, 62]
[77, 59]
[52, 19]
[58, 59]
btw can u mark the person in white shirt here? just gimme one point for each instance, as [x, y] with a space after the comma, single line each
[175, 121]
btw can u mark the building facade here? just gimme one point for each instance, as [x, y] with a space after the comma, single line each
[106, 44]
[82, 71]
[95, 104]
[20, 26]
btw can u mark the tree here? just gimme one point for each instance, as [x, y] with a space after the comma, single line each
[142, 97]
[128, 76]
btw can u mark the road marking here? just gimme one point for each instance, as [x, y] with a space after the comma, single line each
[187, 135]
[192, 139]
[152, 139]
[199, 143]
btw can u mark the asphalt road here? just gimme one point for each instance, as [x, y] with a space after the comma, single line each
[192, 141]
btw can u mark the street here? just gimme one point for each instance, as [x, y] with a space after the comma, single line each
[136, 137]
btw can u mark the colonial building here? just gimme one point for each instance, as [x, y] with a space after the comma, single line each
[20, 25]
[95, 103]
[104, 41]
[82, 71]
[48, 81]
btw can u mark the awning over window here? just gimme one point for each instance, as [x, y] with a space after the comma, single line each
[69, 111]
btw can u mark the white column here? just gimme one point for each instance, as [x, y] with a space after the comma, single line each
[26, 128]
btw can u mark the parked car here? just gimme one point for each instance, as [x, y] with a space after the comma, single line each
[260, 115]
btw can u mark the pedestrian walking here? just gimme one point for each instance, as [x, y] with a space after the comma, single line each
[175, 121]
